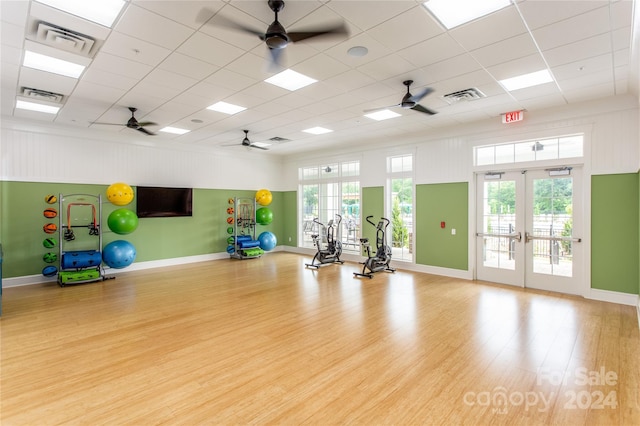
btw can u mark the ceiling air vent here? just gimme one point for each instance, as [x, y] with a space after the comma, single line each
[464, 95]
[62, 38]
[42, 95]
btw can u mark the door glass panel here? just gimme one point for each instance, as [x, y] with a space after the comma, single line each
[553, 226]
[499, 221]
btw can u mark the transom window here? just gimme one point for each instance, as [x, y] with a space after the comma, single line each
[569, 146]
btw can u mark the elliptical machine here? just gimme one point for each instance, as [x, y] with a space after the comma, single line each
[380, 261]
[334, 246]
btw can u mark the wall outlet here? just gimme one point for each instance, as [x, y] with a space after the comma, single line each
[289, 239]
[453, 231]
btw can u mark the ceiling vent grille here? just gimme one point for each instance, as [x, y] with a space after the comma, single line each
[464, 95]
[42, 95]
[64, 39]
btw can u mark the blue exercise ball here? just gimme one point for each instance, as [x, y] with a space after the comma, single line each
[268, 241]
[119, 254]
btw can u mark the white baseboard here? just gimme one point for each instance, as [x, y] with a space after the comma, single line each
[612, 297]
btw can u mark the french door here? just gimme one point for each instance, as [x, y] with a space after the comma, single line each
[529, 225]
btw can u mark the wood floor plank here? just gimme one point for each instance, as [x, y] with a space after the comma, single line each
[268, 341]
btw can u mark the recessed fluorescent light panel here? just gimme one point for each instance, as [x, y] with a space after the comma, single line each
[290, 80]
[174, 130]
[527, 80]
[452, 13]
[50, 64]
[382, 115]
[103, 12]
[226, 108]
[32, 106]
[318, 131]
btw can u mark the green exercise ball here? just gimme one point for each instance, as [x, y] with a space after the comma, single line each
[122, 221]
[264, 216]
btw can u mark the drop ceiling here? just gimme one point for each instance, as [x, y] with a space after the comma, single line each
[170, 60]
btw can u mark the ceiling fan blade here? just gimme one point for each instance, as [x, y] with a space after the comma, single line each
[275, 62]
[420, 108]
[145, 131]
[107, 124]
[258, 147]
[222, 21]
[147, 123]
[381, 108]
[337, 30]
[418, 97]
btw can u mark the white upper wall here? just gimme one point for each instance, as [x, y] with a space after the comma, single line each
[37, 152]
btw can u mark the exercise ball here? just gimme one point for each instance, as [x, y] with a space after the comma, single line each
[51, 199]
[50, 228]
[231, 201]
[119, 254]
[49, 271]
[50, 257]
[119, 194]
[230, 230]
[264, 216]
[229, 210]
[231, 249]
[122, 221]
[50, 213]
[268, 241]
[264, 197]
[49, 242]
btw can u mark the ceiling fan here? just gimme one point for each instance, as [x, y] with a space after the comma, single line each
[132, 123]
[246, 142]
[410, 101]
[276, 37]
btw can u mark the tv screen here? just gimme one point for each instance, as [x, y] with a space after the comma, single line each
[153, 201]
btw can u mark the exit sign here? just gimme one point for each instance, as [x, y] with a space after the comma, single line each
[510, 117]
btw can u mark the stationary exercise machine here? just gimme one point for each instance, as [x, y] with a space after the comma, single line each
[380, 261]
[331, 254]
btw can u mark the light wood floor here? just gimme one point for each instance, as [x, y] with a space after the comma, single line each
[266, 341]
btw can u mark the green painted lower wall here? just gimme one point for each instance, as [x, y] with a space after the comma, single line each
[615, 222]
[290, 224]
[436, 246]
[155, 238]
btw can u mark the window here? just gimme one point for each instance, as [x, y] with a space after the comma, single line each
[326, 191]
[400, 206]
[569, 146]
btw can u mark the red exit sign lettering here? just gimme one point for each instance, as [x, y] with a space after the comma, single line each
[510, 117]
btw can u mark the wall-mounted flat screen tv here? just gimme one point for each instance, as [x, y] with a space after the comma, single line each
[153, 201]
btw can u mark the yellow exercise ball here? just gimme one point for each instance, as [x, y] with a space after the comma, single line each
[120, 194]
[264, 197]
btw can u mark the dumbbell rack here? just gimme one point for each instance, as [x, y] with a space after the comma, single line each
[244, 216]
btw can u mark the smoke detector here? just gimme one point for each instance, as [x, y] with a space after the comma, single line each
[463, 95]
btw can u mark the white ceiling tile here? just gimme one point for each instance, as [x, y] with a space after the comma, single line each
[98, 93]
[321, 67]
[12, 35]
[589, 92]
[572, 52]
[528, 64]
[121, 66]
[500, 25]
[184, 12]
[386, 67]
[366, 16]
[433, 50]
[209, 49]
[542, 13]
[574, 29]
[506, 50]
[153, 28]
[577, 70]
[46, 81]
[14, 12]
[374, 48]
[108, 79]
[134, 49]
[444, 70]
[406, 29]
[188, 66]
